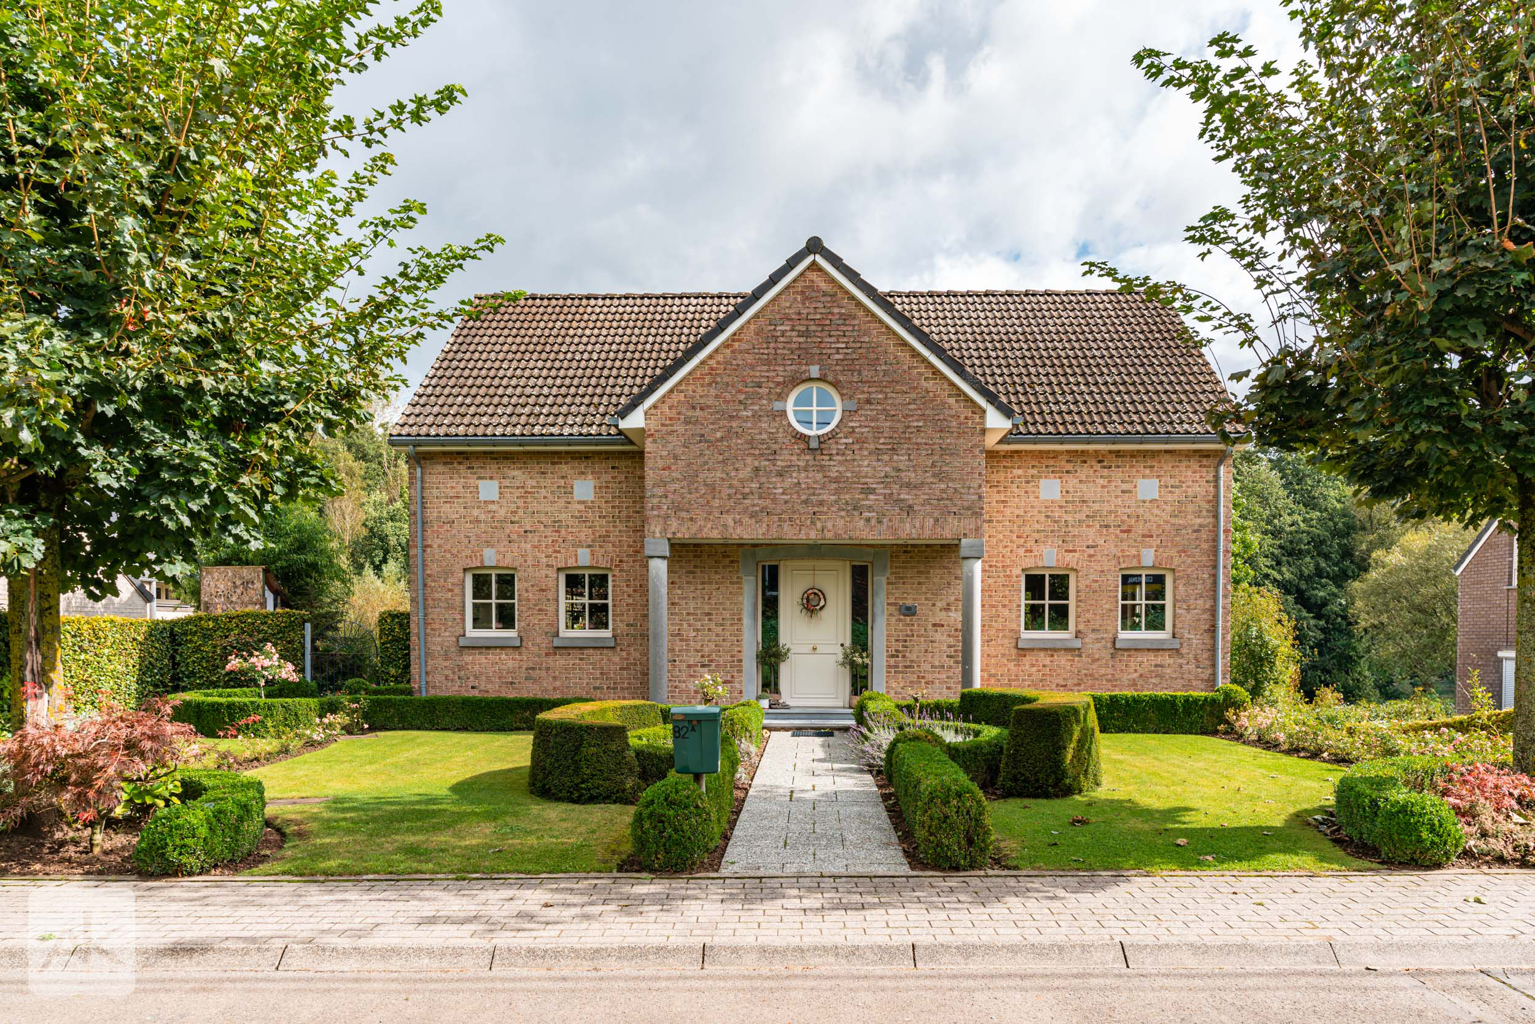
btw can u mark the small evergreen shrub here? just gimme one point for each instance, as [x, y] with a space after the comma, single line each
[394, 648]
[220, 819]
[1052, 748]
[932, 707]
[872, 703]
[1383, 804]
[741, 723]
[944, 809]
[581, 752]
[673, 828]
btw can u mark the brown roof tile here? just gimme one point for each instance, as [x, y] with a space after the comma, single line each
[1066, 362]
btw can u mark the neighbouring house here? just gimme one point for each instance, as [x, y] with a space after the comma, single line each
[240, 588]
[135, 599]
[616, 494]
[1486, 578]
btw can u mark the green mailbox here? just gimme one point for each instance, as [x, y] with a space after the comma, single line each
[696, 740]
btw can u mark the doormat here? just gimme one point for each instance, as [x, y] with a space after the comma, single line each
[811, 732]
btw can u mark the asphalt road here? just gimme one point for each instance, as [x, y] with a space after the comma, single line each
[771, 996]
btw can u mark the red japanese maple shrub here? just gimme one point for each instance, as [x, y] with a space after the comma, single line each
[81, 765]
[1491, 803]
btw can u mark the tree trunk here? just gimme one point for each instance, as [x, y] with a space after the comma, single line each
[98, 831]
[37, 671]
[1524, 631]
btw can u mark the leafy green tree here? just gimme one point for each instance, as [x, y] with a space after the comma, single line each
[185, 299]
[1265, 659]
[1406, 604]
[1388, 185]
[1302, 531]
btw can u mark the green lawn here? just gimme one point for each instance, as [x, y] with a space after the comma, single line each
[1246, 808]
[433, 802]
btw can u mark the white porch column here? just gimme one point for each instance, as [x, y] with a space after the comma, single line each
[658, 552]
[970, 553]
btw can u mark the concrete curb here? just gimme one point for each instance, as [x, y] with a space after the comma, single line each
[1108, 955]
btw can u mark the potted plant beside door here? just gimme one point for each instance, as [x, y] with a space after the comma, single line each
[855, 658]
[770, 655]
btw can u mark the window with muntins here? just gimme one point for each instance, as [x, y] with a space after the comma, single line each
[490, 601]
[586, 603]
[814, 407]
[1047, 603]
[1145, 603]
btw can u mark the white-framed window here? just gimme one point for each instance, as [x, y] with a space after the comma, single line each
[586, 602]
[814, 407]
[490, 601]
[1145, 602]
[1049, 602]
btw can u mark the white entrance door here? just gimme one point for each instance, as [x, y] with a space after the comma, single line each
[811, 677]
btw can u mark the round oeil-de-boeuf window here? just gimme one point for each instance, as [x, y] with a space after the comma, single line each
[814, 407]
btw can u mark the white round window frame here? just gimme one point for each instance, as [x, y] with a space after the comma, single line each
[801, 388]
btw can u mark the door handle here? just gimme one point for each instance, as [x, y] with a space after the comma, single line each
[815, 647]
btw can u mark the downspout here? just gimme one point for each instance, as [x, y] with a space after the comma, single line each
[1220, 555]
[420, 581]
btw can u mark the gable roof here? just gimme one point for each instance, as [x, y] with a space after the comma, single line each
[1476, 545]
[1063, 363]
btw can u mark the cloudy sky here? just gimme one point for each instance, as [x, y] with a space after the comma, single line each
[692, 146]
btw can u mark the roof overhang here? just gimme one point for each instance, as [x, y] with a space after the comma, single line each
[1476, 545]
[562, 443]
[1211, 442]
[999, 418]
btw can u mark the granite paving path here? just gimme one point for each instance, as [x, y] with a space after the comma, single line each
[812, 809]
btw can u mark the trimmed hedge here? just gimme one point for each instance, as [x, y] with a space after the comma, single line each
[1492, 721]
[872, 703]
[1380, 803]
[739, 723]
[244, 692]
[1052, 748]
[129, 658]
[652, 748]
[279, 716]
[938, 706]
[581, 752]
[913, 735]
[220, 819]
[205, 642]
[452, 713]
[675, 825]
[944, 809]
[1191, 713]
[993, 706]
[394, 648]
[981, 756]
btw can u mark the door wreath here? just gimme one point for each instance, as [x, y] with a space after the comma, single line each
[813, 601]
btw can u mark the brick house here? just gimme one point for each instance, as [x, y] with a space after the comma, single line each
[1484, 633]
[616, 494]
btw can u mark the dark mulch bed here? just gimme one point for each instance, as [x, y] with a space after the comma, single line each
[712, 863]
[56, 847]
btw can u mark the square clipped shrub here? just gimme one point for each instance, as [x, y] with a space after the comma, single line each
[1162, 712]
[220, 819]
[1381, 803]
[581, 752]
[455, 713]
[1052, 748]
[394, 647]
[944, 809]
[993, 706]
[204, 642]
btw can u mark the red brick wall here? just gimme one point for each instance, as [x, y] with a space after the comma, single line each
[704, 622]
[1098, 526]
[721, 463]
[922, 651]
[1485, 617]
[536, 527]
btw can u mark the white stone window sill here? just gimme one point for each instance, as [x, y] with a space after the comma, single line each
[584, 641]
[1146, 643]
[1028, 642]
[490, 640]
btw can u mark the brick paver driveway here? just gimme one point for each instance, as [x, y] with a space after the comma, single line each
[735, 909]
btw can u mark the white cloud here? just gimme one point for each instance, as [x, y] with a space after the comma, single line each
[692, 146]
